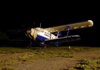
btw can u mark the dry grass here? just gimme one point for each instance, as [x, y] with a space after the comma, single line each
[50, 58]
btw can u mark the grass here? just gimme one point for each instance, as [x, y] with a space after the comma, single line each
[85, 64]
[9, 56]
[8, 68]
[12, 56]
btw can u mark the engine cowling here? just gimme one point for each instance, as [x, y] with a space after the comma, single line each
[32, 33]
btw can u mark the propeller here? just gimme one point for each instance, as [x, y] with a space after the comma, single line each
[30, 32]
[32, 35]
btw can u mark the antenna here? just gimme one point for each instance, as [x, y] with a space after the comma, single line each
[40, 25]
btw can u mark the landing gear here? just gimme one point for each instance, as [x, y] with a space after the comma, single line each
[69, 47]
[31, 44]
[43, 44]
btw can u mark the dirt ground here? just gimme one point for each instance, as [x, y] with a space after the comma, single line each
[53, 63]
[60, 63]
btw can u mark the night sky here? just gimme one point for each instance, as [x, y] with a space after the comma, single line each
[22, 21]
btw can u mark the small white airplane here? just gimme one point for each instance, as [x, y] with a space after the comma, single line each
[45, 36]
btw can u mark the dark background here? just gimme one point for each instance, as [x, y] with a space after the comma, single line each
[15, 22]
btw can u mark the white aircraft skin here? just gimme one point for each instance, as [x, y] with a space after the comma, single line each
[45, 34]
[41, 35]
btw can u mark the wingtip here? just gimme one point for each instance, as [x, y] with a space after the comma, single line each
[91, 22]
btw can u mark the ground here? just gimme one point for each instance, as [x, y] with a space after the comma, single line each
[50, 58]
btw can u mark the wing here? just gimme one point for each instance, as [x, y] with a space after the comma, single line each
[64, 39]
[73, 26]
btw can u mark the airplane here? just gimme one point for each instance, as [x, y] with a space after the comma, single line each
[47, 36]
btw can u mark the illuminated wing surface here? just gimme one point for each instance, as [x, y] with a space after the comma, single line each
[78, 25]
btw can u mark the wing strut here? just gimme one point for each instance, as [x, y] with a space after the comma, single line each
[57, 34]
[69, 27]
[68, 30]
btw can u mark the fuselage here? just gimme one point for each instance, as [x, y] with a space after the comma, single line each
[41, 34]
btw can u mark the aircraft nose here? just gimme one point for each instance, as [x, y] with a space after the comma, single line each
[32, 33]
[28, 34]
